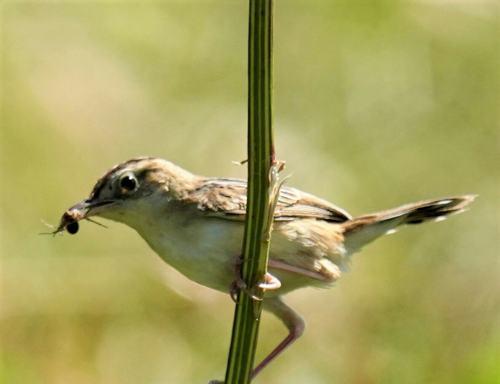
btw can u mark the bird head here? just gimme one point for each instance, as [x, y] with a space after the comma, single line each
[128, 191]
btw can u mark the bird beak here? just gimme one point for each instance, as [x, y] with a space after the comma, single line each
[82, 210]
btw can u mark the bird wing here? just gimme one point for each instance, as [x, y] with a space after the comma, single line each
[227, 199]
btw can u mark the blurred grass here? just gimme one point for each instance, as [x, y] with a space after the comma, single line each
[377, 104]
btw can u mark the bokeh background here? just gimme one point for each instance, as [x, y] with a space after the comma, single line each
[377, 103]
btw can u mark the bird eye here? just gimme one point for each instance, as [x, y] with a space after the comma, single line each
[128, 183]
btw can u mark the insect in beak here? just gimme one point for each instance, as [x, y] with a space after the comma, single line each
[80, 211]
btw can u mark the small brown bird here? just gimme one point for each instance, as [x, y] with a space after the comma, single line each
[195, 224]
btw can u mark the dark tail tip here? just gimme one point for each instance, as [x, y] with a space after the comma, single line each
[438, 209]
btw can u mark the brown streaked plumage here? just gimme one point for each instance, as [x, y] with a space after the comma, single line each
[227, 198]
[195, 224]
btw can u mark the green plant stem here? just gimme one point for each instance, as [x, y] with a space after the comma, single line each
[262, 189]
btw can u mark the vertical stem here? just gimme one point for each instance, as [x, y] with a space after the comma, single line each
[262, 181]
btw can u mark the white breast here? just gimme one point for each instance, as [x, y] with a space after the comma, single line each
[203, 249]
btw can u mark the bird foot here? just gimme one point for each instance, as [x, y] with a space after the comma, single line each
[270, 283]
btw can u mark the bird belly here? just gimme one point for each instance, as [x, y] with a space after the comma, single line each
[205, 252]
[208, 250]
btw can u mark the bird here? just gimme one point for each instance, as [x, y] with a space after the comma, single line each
[196, 223]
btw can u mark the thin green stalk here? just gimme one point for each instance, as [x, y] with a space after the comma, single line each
[262, 187]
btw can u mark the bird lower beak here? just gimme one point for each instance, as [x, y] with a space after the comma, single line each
[82, 210]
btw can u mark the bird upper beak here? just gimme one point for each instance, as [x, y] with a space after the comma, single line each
[80, 211]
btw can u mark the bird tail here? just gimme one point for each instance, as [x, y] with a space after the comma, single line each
[364, 229]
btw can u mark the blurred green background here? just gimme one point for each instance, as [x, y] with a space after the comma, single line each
[377, 103]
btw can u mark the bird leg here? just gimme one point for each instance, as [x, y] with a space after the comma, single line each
[292, 320]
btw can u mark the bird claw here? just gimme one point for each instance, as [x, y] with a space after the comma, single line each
[270, 283]
[236, 286]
